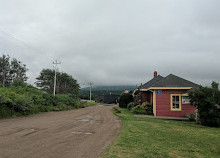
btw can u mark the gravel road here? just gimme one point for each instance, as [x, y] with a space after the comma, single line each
[78, 133]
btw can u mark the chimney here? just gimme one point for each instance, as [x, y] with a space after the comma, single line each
[155, 73]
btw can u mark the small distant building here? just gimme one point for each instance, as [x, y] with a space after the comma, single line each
[168, 95]
[108, 98]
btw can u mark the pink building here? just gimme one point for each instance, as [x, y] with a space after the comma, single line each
[168, 95]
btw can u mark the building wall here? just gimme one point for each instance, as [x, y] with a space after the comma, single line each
[147, 96]
[163, 105]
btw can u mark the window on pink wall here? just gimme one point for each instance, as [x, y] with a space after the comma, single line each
[175, 102]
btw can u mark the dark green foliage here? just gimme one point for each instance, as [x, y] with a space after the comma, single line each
[18, 70]
[18, 83]
[138, 110]
[11, 70]
[125, 99]
[149, 109]
[49, 100]
[46, 80]
[14, 101]
[191, 117]
[23, 100]
[131, 105]
[65, 83]
[67, 99]
[5, 78]
[59, 99]
[145, 108]
[20, 98]
[5, 112]
[22, 88]
[207, 101]
[22, 104]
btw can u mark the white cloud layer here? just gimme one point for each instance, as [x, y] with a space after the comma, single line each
[114, 42]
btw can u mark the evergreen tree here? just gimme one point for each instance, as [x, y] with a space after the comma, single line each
[5, 76]
[65, 83]
[11, 70]
[18, 70]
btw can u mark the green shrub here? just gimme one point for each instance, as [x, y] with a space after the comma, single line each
[80, 104]
[34, 110]
[7, 97]
[22, 104]
[23, 99]
[207, 101]
[125, 99]
[59, 99]
[66, 99]
[50, 100]
[35, 94]
[149, 110]
[131, 105]
[145, 108]
[18, 83]
[138, 110]
[15, 101]
[5, 112]
[191, 117]
[63, 107]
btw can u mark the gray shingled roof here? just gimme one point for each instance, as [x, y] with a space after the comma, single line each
[174, 81]
[169, 81]
[151, 82]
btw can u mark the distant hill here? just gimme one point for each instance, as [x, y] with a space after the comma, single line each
[101, 90]
[109, 88]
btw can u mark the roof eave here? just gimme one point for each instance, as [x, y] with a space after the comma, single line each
[154, 88]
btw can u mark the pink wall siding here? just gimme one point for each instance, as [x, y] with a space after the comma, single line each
[163, 107]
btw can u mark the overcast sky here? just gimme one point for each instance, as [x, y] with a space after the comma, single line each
[114, 42]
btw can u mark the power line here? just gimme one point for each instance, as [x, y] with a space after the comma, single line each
[20, 41]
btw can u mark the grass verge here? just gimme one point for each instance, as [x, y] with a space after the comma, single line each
[150, 137]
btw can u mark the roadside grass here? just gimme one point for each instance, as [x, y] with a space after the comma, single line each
[150, 137]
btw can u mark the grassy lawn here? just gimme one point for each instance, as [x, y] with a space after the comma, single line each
[149, 137]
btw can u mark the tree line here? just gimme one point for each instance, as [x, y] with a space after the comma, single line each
[13, 69]
[17, 97]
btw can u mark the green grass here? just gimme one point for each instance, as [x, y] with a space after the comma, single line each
[150, 137]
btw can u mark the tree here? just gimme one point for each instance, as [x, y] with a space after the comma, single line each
[18, 70]
[11, 70]
[45, 80]
[207, 101]
[5, 70]
[65, 83]
[125, 99]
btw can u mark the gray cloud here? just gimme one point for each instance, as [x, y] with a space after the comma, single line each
[114, 42]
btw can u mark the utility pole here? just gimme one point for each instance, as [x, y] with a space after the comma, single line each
[55, 76]
[90, 84]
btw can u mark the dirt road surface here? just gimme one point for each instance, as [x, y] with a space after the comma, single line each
[82, 133]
